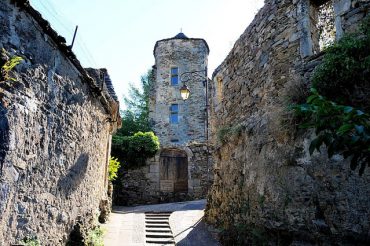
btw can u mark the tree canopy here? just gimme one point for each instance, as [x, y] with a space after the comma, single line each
[135, 117]
[135, 141]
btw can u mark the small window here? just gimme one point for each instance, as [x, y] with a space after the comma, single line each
[174, 114]
[219, 88]
[323, 24]
[174, 76]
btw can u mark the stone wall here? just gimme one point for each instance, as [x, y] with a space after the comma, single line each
[142, 185]
[265, 180]
[55, 133]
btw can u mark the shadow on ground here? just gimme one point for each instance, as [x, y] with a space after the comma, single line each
[198, 236]
[163, 207]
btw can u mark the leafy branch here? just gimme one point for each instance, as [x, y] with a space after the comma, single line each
[338, 107]
[343, 129]
[114, 165]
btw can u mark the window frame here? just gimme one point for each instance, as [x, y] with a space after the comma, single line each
[174, 112]
[174, 75]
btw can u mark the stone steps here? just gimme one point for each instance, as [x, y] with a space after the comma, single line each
[160, 242]
[161, 222]
[157, 218]
[155, 234]
[157, 229]
[154, 230]
[158, 226]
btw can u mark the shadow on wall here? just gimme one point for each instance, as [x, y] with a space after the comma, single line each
[72, 180]
[4, 136]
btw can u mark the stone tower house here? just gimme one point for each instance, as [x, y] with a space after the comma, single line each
[181, 167]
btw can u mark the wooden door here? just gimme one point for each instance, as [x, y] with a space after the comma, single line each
[173, 170]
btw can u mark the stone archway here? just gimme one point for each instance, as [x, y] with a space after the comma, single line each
[173, 170]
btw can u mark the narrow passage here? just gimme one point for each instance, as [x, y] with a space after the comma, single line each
[163, 224]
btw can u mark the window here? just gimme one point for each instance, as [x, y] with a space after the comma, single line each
[174, 76]
[219, 88]
[322, 18]
[174, 114]
[319, 24]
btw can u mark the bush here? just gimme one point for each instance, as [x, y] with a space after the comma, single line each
[225, 133]
[114, 165]
[30, 242]
[134, 150]
[338, 106]
[95, 237]
[343, 76]
[8, 64]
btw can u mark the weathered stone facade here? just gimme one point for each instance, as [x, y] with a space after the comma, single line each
[141, 186]
[55, 133]
[184, 143]
[264, 175]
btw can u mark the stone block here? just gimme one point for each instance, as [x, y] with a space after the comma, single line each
[195, 182]
[154, 168]
[167, 185]
[21, 164]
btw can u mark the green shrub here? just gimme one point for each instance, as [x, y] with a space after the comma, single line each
[338, 106]
[114, 165]
[95, 237]
[9, 65]
[134, 150]
[145, 143]
[30, 242]
[224, 133]
[343, 76]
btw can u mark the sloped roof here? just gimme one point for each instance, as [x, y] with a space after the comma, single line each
[180, 35]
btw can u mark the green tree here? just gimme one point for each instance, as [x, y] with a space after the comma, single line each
[135, 117]
[136, 131]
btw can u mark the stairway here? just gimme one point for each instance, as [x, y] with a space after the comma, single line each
[157, 229]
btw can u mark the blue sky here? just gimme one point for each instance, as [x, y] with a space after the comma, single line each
[120, 34]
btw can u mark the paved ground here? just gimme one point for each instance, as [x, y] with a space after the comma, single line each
[129, 225]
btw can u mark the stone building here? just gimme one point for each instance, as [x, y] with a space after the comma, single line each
[266, 184]
[182, 167]
[56, 123]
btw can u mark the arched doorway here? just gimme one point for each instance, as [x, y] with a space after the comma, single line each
[173, 170]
